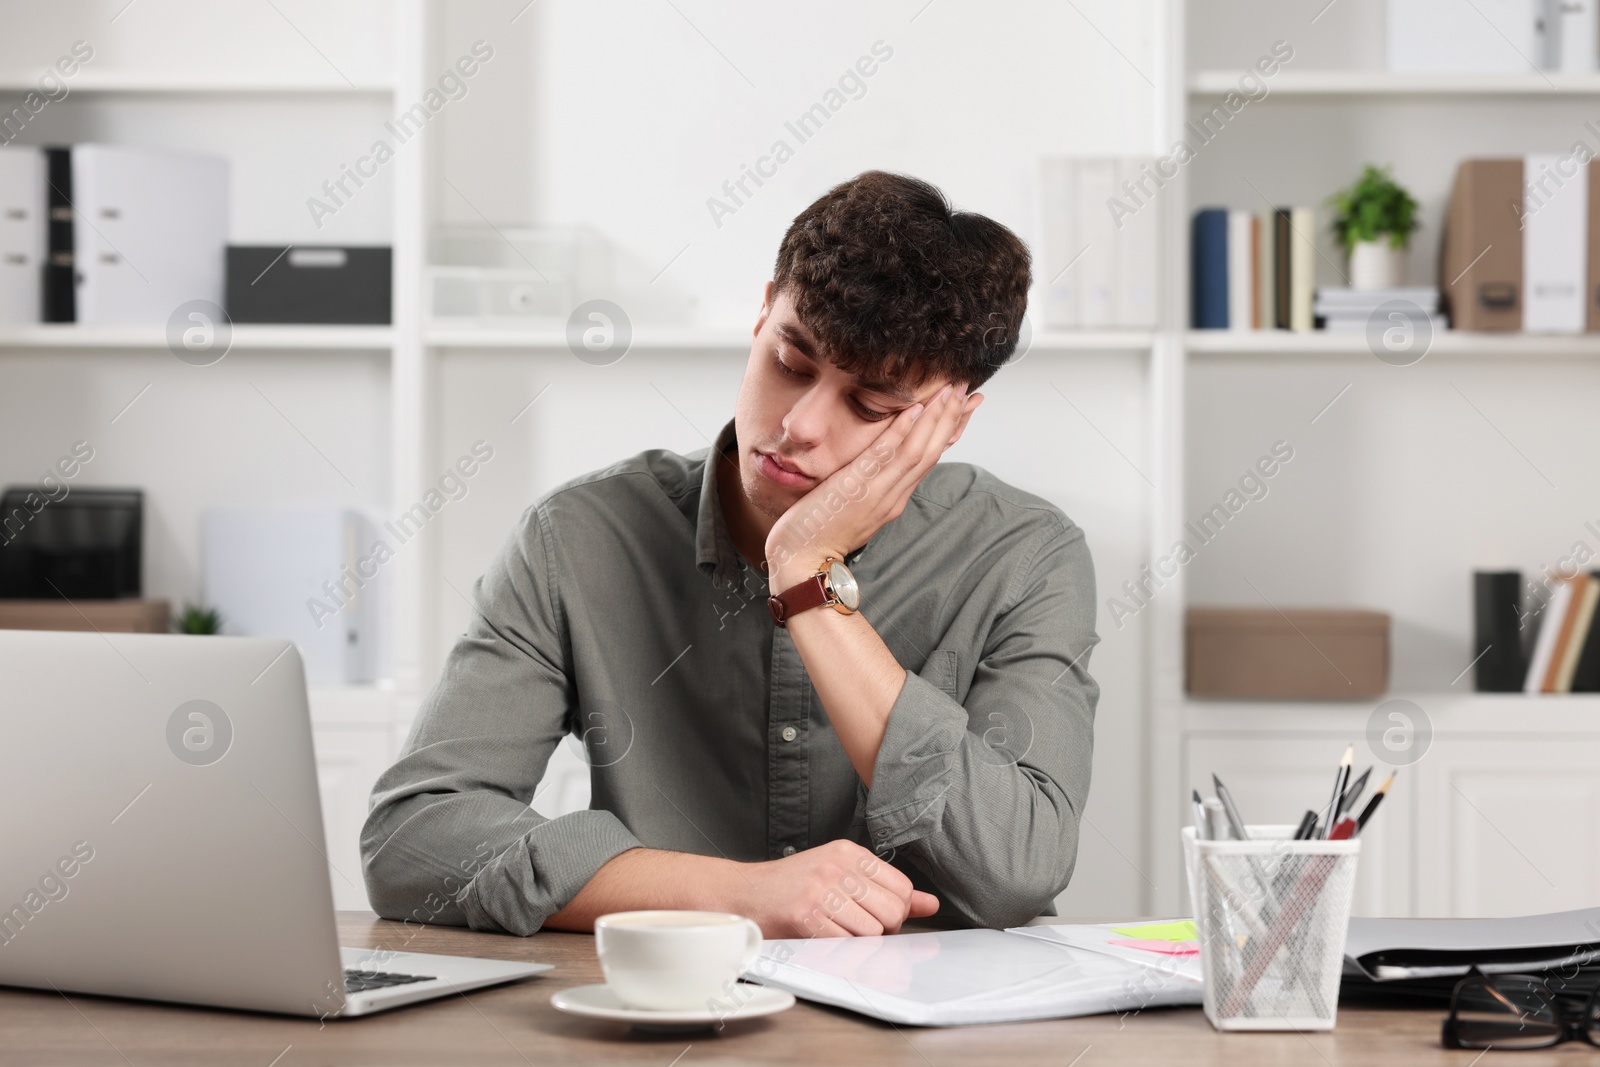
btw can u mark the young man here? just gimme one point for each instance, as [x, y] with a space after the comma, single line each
[820, 681]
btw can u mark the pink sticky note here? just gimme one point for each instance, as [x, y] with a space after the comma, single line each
[1165, 948]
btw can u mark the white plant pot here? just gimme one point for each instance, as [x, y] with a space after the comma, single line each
[1375, 265]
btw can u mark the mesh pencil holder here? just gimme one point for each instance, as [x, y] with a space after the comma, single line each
[1271, 915]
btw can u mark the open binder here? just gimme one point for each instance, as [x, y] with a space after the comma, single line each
[963, 977]
[1387, 950]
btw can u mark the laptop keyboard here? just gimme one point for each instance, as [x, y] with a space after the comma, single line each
[359, 981]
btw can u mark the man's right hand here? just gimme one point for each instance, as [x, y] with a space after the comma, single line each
[838, 889]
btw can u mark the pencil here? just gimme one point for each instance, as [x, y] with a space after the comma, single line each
[1340, 780]
[1353, 794]
[1377, 798]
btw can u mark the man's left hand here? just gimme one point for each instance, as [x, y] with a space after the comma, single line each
[844, 510]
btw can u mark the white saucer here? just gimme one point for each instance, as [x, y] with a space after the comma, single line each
[598, 1001]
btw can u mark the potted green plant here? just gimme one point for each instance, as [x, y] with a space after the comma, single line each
[196, 619]
[1374, 220]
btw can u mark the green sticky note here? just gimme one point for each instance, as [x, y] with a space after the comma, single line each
[1182, 930]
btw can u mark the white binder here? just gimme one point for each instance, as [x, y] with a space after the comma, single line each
[306, 573]
[23, 233]
[150, 232]
[1058, 221]
[1555, 227]
[1465, 36]
[1138, 239]
[1097, 271]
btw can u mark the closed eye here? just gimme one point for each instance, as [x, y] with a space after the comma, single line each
[867, 413]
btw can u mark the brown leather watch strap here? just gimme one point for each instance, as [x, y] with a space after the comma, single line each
[811, 593]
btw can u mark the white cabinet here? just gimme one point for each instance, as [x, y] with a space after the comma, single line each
[349, 760]
[1506, 825]
[352, 731]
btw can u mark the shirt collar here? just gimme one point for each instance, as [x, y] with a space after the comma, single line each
[715, 553]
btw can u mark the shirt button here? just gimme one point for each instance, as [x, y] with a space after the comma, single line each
[789, 733]
[788, 850]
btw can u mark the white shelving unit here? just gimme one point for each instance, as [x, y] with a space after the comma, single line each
[1390, 511]
[1381, 83]
[357, 728]
[244, 337]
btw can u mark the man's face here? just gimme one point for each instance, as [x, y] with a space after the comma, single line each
[798, 407]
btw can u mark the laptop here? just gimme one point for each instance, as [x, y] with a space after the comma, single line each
[163, 836]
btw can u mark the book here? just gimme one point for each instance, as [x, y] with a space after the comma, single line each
[1425, 297]
[1480, 256]
[1280, 267]
[1302, 267]
[1586, 676]
[1551, 620]
[1266, 271]
[1575, 632]
[1496, 631]
[1255, 273]
[1241, 283]
[1209, 269]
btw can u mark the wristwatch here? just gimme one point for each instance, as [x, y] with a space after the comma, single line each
[833, 584]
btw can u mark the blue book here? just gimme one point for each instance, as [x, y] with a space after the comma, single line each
[1208, 275]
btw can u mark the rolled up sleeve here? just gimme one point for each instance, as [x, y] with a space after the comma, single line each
[450, 837]
[984, 794]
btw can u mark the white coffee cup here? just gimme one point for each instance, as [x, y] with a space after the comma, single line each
[674, 960]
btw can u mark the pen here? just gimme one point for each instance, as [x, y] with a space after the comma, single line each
[1339, 782]
[1216, 822]
[1377, 798]
[1308, 823]
[1199, 815]
[1235, 823]
[1353, 794]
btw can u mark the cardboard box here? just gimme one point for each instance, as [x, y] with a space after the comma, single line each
[1293, 654]
[108, 616]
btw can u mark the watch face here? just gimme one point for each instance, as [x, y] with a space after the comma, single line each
[844, 585]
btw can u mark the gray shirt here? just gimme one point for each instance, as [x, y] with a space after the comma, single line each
[619, 610]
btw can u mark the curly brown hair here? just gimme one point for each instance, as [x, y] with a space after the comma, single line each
[896, 286]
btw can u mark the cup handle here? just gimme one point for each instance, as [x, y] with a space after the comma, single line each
[752, 945]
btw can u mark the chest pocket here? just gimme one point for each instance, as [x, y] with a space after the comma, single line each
[940, 670]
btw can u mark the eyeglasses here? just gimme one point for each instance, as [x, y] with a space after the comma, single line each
[1518, 1011]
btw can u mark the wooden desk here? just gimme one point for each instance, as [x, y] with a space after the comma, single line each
[515, 1025]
